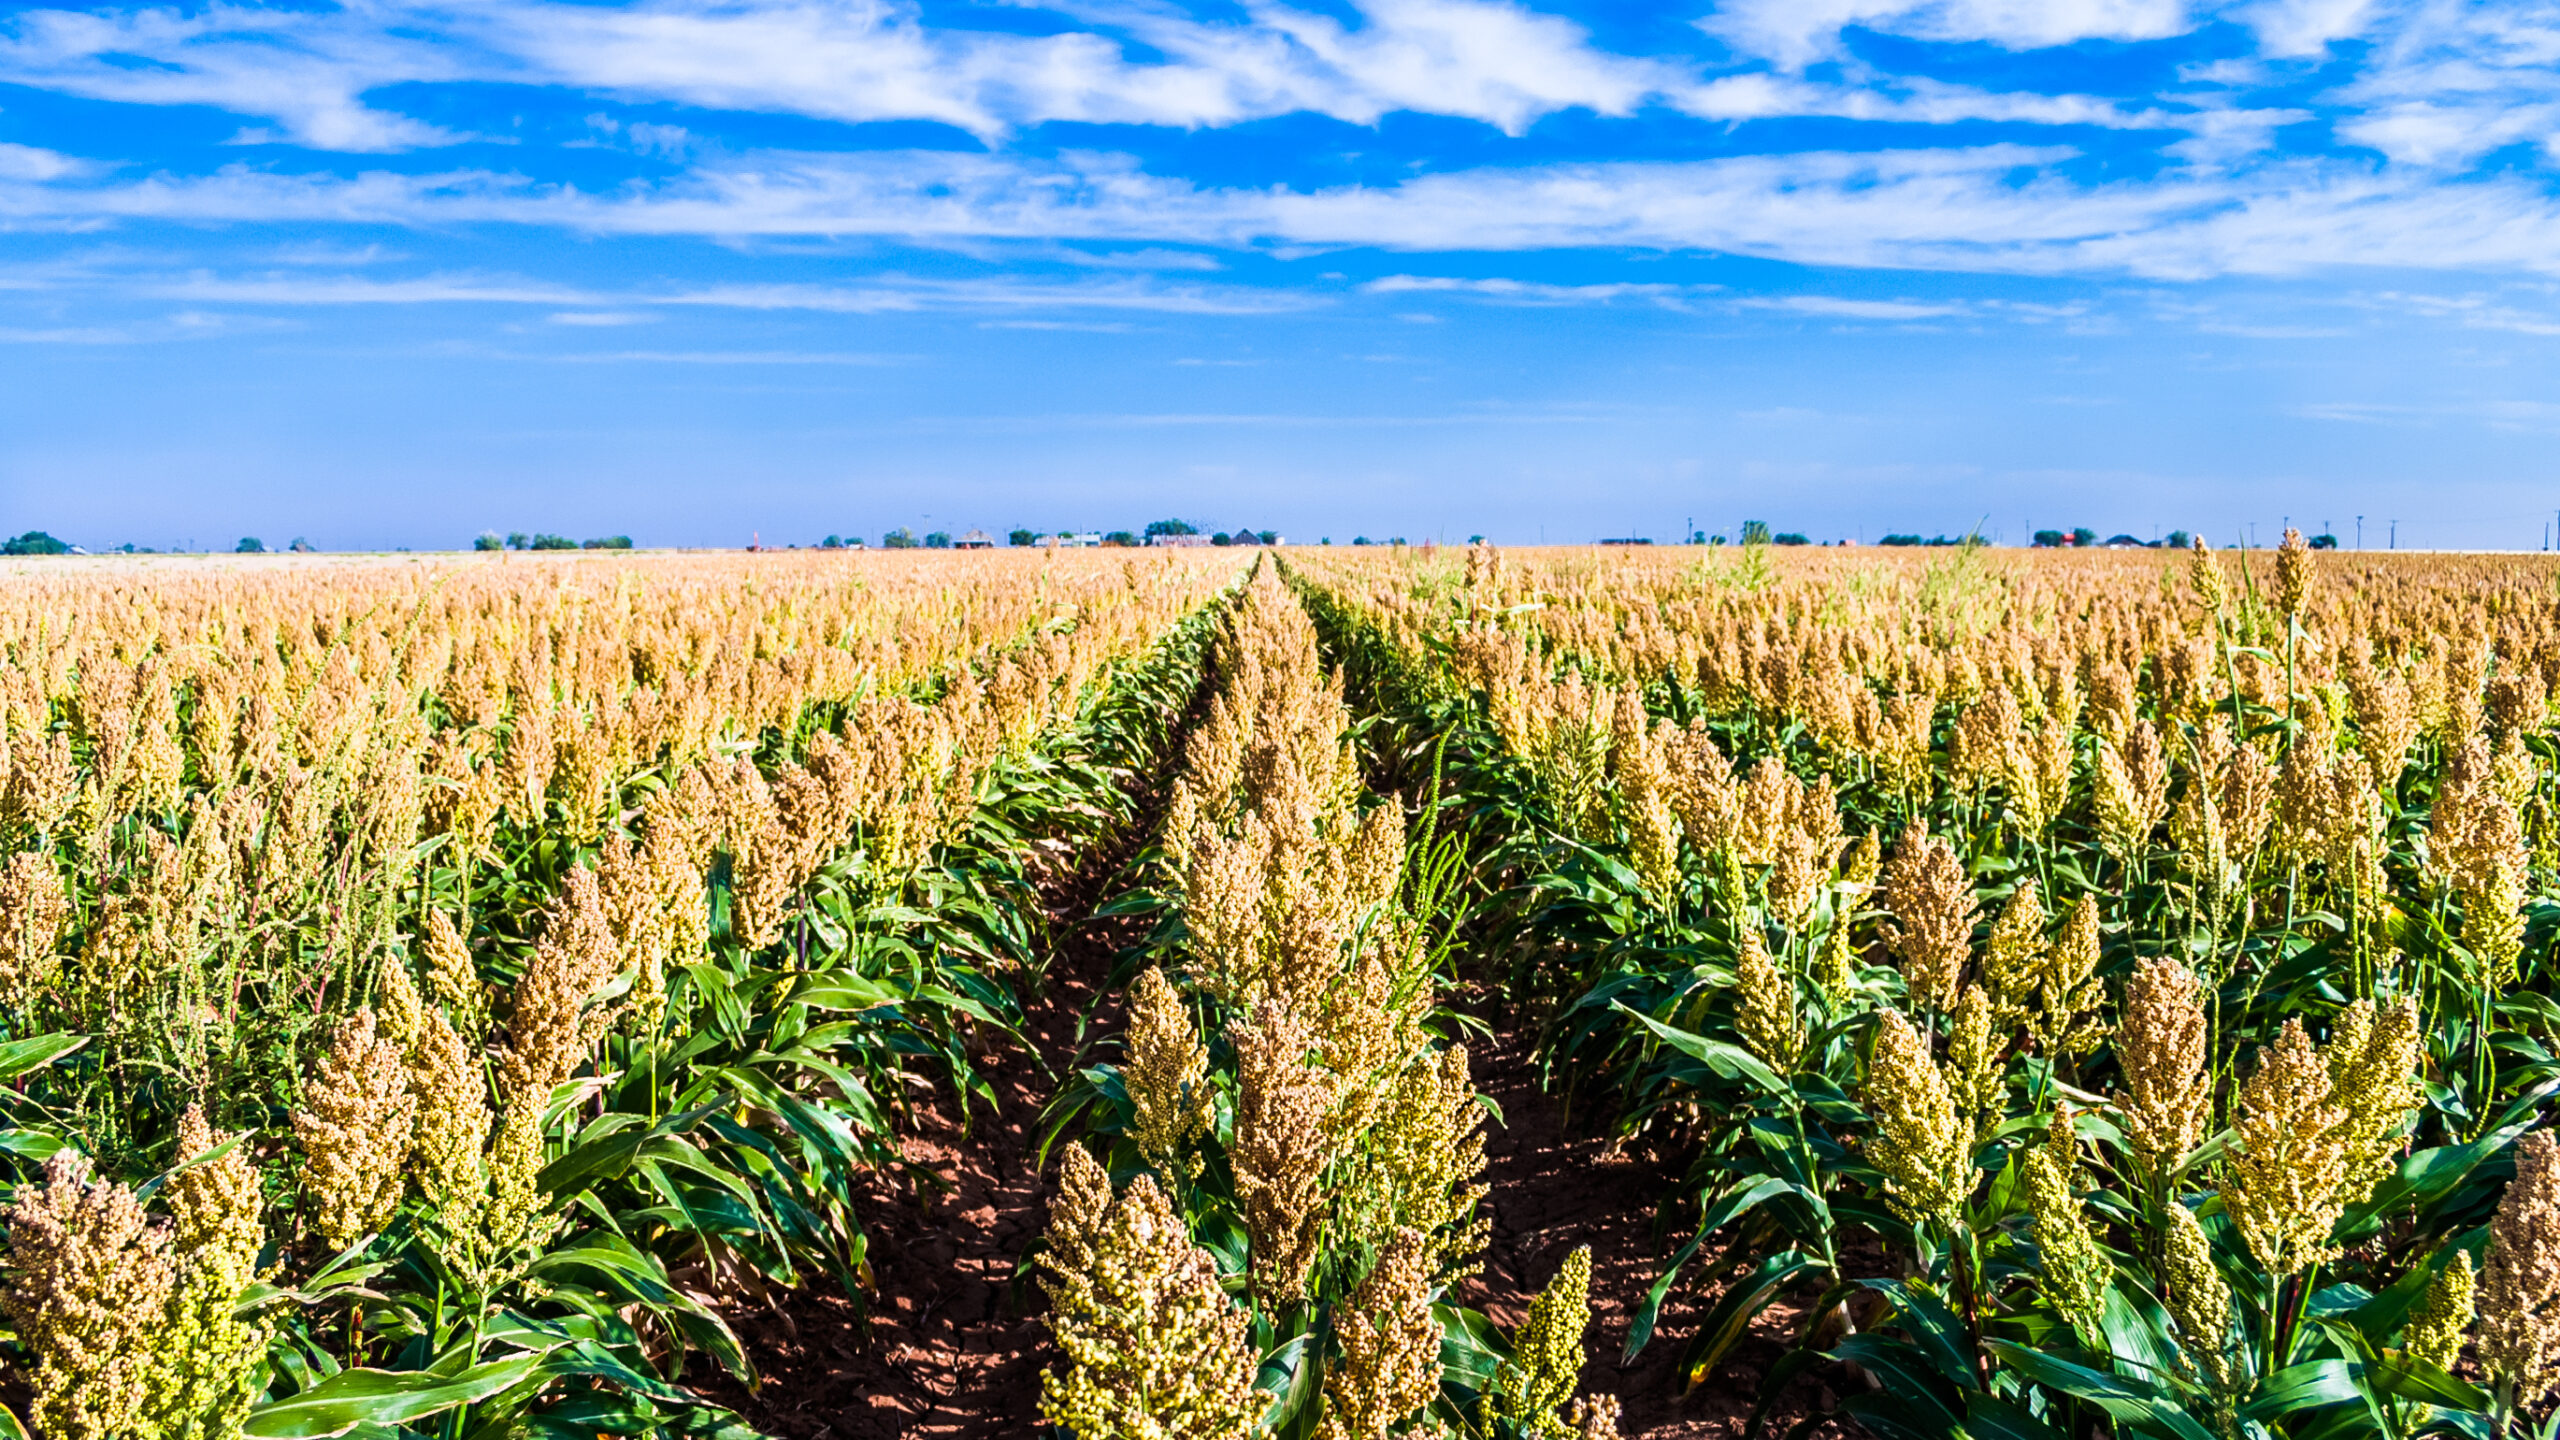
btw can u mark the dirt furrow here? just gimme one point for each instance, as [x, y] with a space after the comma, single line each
[952, 1345]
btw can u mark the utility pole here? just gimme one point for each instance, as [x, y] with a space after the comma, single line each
[2359, 532]
[2395, 534]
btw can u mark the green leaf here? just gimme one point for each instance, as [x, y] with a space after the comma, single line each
[2131, 1403]
[1725, 1212]
[1728, 1060]
[1742, 1303]
[35, 1052]
[2408, 1378]
[1992, 1417]
[351, 1398]
[1935, 1328]
[2317, 1385]
[1918, 1395]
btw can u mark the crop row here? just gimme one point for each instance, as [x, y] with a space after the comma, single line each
[2096, 993]
[431, 993]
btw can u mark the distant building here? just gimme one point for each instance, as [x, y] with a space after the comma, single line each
[974, 540]
[1181, 541]
[1070, 541]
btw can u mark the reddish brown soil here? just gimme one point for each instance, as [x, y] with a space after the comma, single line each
[1556, 1185]
[951, 1344]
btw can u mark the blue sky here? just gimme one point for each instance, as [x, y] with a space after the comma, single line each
[389, 273]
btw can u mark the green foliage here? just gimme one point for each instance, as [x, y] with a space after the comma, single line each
[2005, 1317]
[34, 542]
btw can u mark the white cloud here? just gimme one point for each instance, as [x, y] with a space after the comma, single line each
[304, 70]
[594, 308]
[714, 357]
[1795, 33]
[1847, 309]
[1990, 208]
[1522, 292]
[1499, 63]
[2428, 134]
[26, 162]
[2304, 27]
[308, 72]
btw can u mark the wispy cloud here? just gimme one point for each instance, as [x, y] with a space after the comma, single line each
[1838, 307]
[1526, 292]
[1989, 208]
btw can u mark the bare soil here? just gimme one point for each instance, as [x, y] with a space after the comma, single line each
[1557, 1183]
[950, 1343]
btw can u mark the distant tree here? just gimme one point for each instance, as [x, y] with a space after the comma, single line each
[1359, 539]
[832, 542]
[1755, 532]
[35, 542]
[2324, 542]
[2082, 537]
[1170, 527]
[2176, 540]
[1789, 538]
[1899, 540]
[901, 538]
[1223, 538]
[1475, 539]
[249, 545]
[608, 542]
[1269, 537]
[517, 540]
[938, 540]
[2046, 539]
[1121, 538]
[1018, 536]
[301, 546]
[488, 540]
[553, 542]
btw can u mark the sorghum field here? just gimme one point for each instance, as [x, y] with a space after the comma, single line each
[1320, 993]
